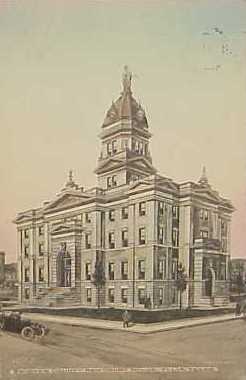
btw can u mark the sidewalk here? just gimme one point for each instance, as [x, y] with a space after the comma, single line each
[135, 328]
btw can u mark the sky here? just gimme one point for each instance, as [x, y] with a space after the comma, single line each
[61, 67]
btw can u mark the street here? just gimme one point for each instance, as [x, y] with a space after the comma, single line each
[210, 352]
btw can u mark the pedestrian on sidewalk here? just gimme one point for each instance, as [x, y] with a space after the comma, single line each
[126, 318]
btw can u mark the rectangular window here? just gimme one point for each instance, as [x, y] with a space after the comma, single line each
[41, 249]
[204, 214]
[124, 213]
[124, 295]
[88, 271]
[161, 269]
[224, 245]
[111, 271]
[175, 212]
[161, 235]
[141, 269]
[174, 269]
[87, 241]
[26, 234]
[142, 208]
[40, 274]
[111, 240]
[124, 235]
[111, 215]
[124, 270]
[160, 296]
[204, 234]
[114, 181]
[142, 235]
[141, 296]
[88, 295]
[109, 149]
[175, 237]
[114, 146]
[87, 217]
[26, 251]
[161, 208]
[41, 231]
[111, 295]
[27, 275]
[27, 293]
[109, 182]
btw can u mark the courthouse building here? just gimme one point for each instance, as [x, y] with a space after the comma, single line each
[137, 223]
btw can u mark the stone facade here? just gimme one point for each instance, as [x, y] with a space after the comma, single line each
[138, 224]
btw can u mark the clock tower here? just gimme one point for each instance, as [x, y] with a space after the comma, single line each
[125, 155]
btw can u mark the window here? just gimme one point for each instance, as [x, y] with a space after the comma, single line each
[124, 295]
[111, 240]
[41, 249]
[41, 231]
[141, 270]
[87, 217]
[160, 296]
[175, 212]
[109, 149]
[124, 235]
[175, 237]
[161, 235]
[27, 275]
[111, 215]
[124, 270]
[27, 293]
[142, 208]
[111, 271]
[40, 274]
[161, 269]
[204, 234]
[114, 146]
[161, 208]
[111, 295]
[174, 269]
[26, 234]
[109, 182]
[88, 271]
[26, 251]
[124, 213]
[223, 227]
[88, 294]
[142, 235]
[141, 296]
[224, 245]
[87, 241]
[204, 214]
[114, 182]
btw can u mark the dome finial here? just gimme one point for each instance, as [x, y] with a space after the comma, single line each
[204, 179]
[126, 79]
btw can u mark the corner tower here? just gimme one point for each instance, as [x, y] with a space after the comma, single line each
[125, 155]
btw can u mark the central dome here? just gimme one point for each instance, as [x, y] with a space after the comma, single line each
[126, 107]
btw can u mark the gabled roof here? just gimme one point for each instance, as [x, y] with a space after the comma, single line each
[68, 199]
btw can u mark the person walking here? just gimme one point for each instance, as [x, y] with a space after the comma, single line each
[126, 318]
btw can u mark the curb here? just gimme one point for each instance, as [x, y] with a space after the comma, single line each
[138, 329]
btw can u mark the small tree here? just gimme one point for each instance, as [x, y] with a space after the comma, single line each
[239, 283]
[98, 278]
[181, 282]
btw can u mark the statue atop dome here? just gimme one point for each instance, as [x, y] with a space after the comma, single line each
[126, 79]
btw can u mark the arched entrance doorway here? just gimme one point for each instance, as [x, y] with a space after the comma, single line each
[63, 268]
